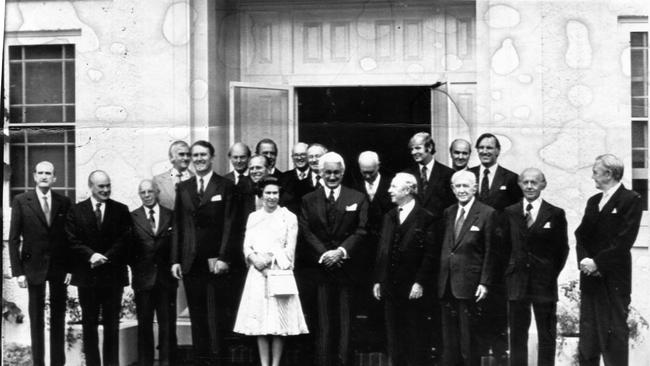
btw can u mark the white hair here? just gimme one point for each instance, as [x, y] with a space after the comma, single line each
[330, 157]
[409, 181]
[369, 157]
[464, 175]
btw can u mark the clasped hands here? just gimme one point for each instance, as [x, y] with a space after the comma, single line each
[97, 260]
[261, 261]
[333, 257]
[589, 267]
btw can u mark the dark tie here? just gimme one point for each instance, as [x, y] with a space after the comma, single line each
[46, 211]
[424, 178]
[239, 179]
[152, 220]
[331, 208]
[177, 178]
[201, 188]
[459, 223]
[485, 184]
[529, 216]
[98, 215]
[317, 185]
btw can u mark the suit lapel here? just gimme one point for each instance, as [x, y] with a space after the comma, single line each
[210, 190]
[611, 203]
[497, 182]
[408, 226]
[542, 216]
[321, 206]
[341, 204]
[471, 218]
[87, 206]
[141, 220]
[56, 205]
[32, 198]
[163, 219]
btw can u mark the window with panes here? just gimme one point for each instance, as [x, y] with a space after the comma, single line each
[639, 112]
[42, 114]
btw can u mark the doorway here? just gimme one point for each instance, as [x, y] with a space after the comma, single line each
[350, 120]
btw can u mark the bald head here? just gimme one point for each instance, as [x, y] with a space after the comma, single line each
[239, 154]
[299, 156]
[44, 176]
[532, 182]
[148, 192]
[460, 151]
[100, 185]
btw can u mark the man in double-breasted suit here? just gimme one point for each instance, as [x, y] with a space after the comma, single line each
[603, 241]
[179, 156]
[405, 262]
[98, 230]
[498, 188]
[38, 218]
[295, 182]
[536, 233]
[203, 251]
[466, 271]
[333, 224]
[152, 281]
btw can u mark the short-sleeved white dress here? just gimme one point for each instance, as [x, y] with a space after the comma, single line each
[274, 233]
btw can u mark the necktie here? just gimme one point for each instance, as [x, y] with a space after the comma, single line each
[301, 175]
[201, 188]
[459, 223]
[371, 193]
[177, 178]
[399, 215]
[152, 220]
[98, 214]
[239, 178]
[485, 183]
[529, 216]
[317, 185]
[46, 210]
[331, 208]
[424, 177]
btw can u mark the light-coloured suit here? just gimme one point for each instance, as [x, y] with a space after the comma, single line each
[167, 187]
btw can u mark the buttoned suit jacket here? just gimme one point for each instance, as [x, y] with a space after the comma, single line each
[537, 254]
[504, 190]
[348, 231]
[167, 196]
[467, 261]
[110, 240]
[293, 189]
[44, 248]
[406, 252]
[149, 252]
[203, 222]
[438, 195]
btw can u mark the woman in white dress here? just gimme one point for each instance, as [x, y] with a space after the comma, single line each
[270, 242]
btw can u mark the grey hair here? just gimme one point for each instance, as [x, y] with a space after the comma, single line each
[464, 174]
[409, 181]
[613, 164]
[369, 156]
[330, 157]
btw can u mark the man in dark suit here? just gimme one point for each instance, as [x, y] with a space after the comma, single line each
[333, 224]
[98, 230]
[603, 241]
[295, 182]
[268, 148]
[403, 265]
[435, 195]
[238, 154]
[466, 267]
[153, 284]
[536, 233]
[460, 151]
[38, 218]
[203, 251]
[179, 156]
[498, 188]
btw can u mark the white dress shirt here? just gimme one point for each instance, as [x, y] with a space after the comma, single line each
[47, 196]
[429, 169]
[607, 195]
[337, 192]
[102, 208]
[315, 179]
[405, 210]
[236, 174]
[492, 169]
[184, 175]
[206, 180]
[371, 188]
[536, 205]
[467, 207]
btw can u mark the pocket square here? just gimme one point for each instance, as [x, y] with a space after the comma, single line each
[351, 207]
[614, 210]
[474, 228]
[216, 197]
[547, 225]
[503, 188]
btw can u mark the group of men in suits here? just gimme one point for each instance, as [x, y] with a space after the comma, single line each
[457, 256]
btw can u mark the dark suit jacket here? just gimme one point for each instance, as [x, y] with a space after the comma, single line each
[438, 195]
[293, 189]
[276, 173]
[348, 231]
[537, 254]
[467, 261]
[44, 248]
[380, 204]
[607, 236]
[149, 252]
[406, 252]
[202, 228]
[504, 190]
[111, 241]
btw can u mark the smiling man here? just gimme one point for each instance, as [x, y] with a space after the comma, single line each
[536, 234]
[37, 250]
[269, 148]
[603, 241]
[98, 230]
[203, 250]
[460, 151]
[333, 224]
[466, 270]
[179, 157]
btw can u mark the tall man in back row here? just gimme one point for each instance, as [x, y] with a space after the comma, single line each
[203, 251]
[38, 218]
[603, 241]
[497, 187]
[333, 224]
[179, 156]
